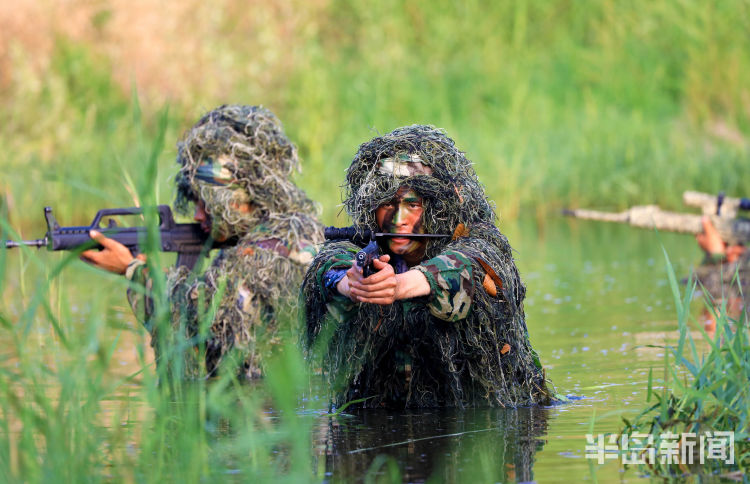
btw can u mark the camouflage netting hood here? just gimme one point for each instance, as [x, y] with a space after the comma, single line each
[237, 161]
[405, 354]
[426, 160]
[239, 155]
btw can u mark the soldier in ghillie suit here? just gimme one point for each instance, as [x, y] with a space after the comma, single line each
[724, 273]
[235, 167]
[441, 322]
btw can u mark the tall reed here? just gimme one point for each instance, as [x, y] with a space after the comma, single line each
[701, 392]
[66, 416]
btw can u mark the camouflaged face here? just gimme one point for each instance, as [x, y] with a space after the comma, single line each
[237, 155]
[426, 160]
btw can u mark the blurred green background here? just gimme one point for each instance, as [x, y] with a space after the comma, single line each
[558, 103]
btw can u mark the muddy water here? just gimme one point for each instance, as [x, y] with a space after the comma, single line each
[596, 296]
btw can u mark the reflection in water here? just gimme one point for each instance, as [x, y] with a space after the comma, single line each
[449, 445]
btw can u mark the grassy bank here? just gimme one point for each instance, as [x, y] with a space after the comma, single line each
[557, 103]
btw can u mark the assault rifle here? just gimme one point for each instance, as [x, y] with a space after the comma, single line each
[721, 210]
[368, 240]
[188, 240]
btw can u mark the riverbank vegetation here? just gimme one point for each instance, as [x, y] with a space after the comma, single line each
[68, 415]
[702, 395]
[558, 103]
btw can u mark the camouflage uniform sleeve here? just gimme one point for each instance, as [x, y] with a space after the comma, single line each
[450, 277]
[342, 261]
[139, 292]
[320, 302]
[322, 275]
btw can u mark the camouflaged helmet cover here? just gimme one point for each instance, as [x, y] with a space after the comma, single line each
[248, 145]
[452, 193]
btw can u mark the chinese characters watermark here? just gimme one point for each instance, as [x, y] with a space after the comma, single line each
[668, 448]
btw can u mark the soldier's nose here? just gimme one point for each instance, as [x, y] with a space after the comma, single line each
[397, 217]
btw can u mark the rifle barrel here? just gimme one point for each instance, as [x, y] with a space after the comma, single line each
[351, 233]
[9, 244]
[731, 230]
[411, 236]
[621, 217]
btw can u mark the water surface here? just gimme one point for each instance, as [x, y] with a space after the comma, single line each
[597, 302]
[597, 295]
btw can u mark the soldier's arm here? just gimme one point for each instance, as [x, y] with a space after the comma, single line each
[113, 257]
[449, 276]
[711, 242]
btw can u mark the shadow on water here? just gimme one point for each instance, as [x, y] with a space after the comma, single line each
[441, 445]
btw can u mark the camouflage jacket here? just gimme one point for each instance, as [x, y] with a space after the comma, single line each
[464, 344]
[256, 284]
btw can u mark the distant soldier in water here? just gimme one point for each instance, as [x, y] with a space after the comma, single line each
[235, 168]
[720, 232]
[717, 272]
[441, 322]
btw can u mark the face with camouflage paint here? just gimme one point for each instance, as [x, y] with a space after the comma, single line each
[219, 192]
[403, 215]
[238, 161]
[202, 216]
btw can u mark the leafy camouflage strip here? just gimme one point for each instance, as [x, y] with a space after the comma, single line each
[450, 279]
[402, 354]
[258, 289]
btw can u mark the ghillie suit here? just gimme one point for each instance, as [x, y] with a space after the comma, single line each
[237, 161]
[464, 344]
[728, 281]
